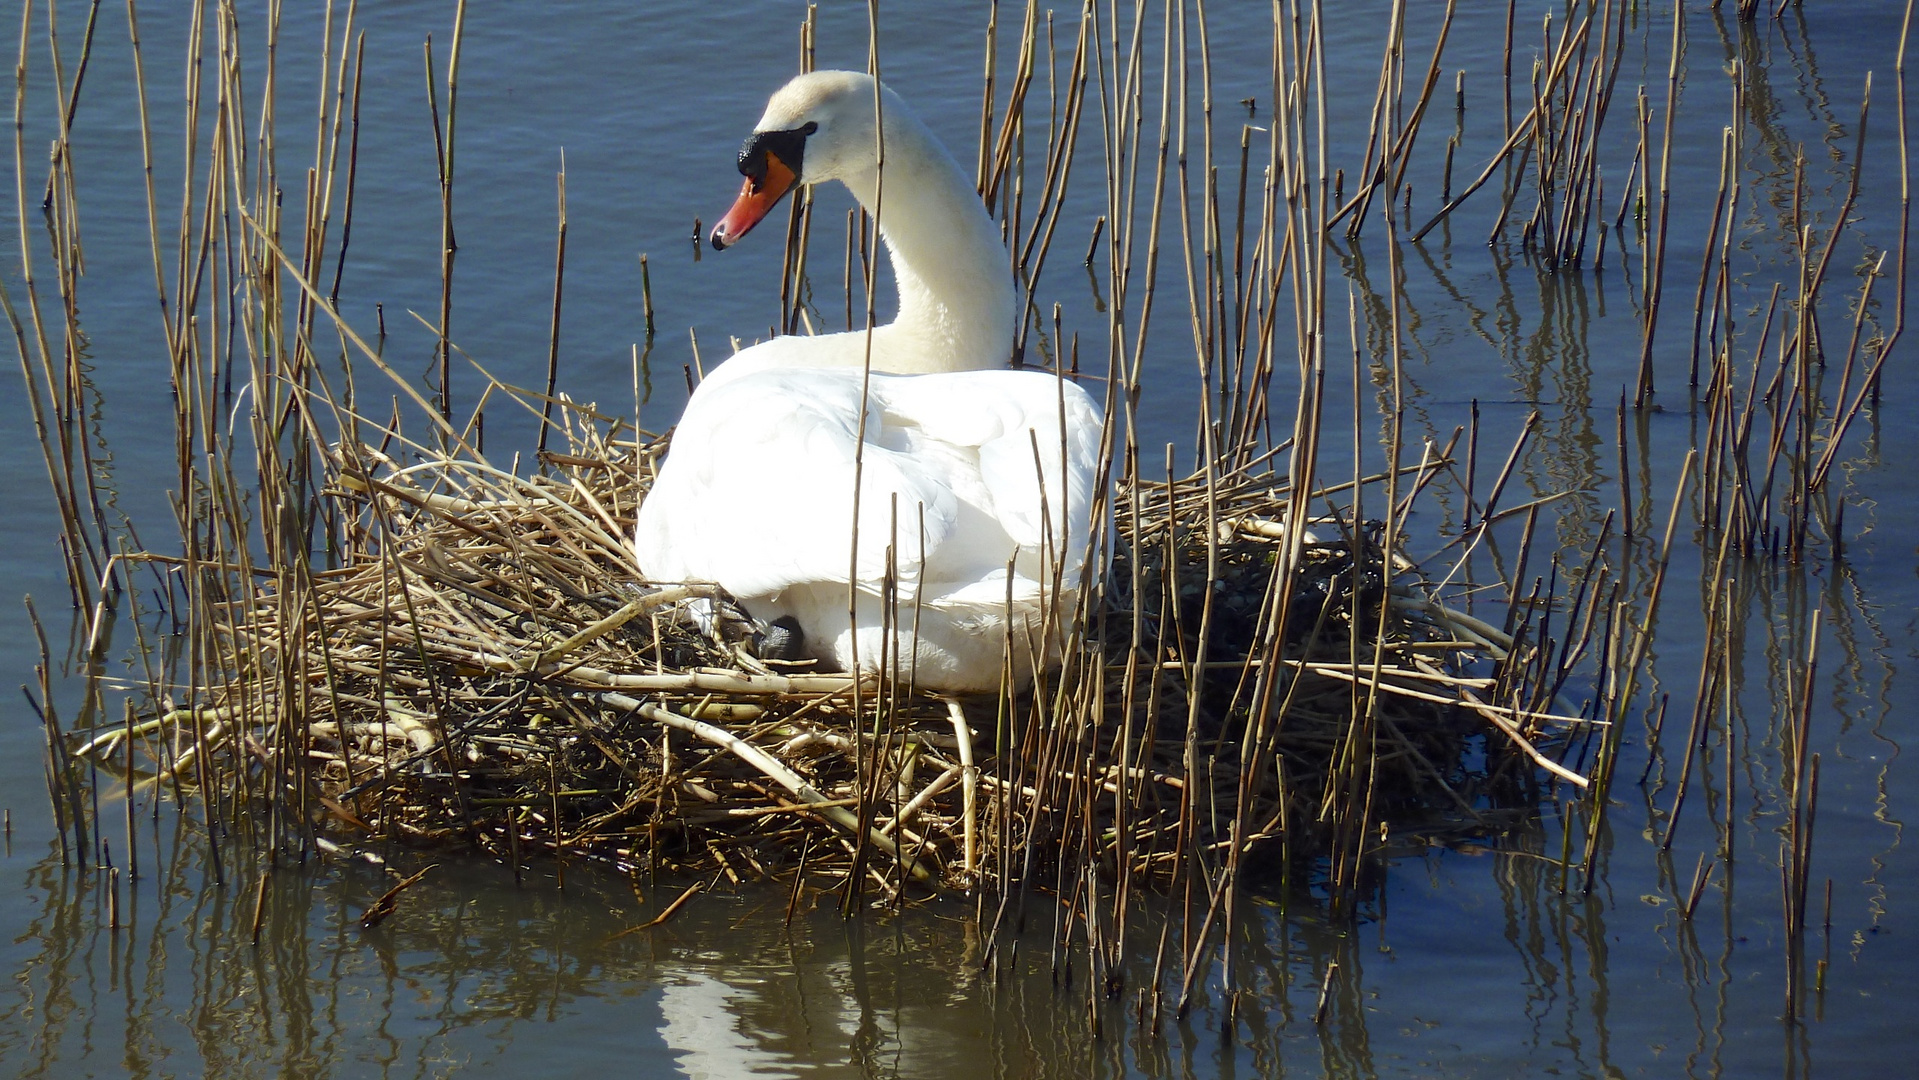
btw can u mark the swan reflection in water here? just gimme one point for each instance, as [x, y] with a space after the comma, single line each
[809, 1021]
[701, 1026]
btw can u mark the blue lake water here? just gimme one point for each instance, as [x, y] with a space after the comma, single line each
[1467, 961]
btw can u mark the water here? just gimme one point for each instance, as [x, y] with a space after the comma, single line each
[1467, 961]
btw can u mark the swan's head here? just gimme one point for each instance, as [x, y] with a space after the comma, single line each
[818, 127]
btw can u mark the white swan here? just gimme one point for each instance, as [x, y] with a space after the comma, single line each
[757, 490]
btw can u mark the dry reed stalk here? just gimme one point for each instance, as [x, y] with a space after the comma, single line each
[443, 143]
[1655, 275]
[559, 278]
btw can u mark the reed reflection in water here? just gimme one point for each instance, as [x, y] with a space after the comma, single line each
[539, 979]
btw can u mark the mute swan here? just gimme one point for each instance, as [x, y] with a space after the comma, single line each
[757, 490]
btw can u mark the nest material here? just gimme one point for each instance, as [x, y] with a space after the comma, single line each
[484, 668]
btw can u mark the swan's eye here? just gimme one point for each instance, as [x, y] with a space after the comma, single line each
[809, 128]
[788, 147]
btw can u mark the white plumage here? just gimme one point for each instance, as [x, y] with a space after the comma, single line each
[965, 474]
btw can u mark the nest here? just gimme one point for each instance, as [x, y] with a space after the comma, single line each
[483, 668]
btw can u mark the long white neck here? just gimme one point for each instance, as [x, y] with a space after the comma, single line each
[956, 308]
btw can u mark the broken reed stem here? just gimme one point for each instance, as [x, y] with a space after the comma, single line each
[559, 280]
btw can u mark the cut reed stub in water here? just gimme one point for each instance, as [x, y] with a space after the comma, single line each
[483, 669]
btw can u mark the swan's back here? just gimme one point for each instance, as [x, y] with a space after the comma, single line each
[759, 498]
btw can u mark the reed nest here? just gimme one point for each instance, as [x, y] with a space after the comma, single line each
[484, 668]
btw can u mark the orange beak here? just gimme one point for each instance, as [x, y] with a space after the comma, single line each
[757, 199]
